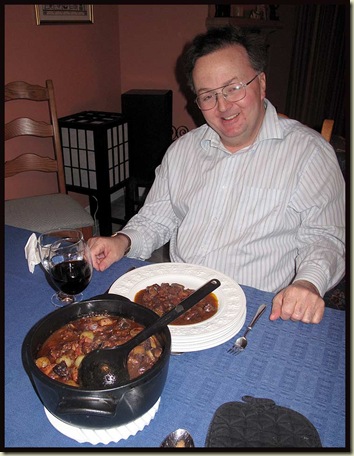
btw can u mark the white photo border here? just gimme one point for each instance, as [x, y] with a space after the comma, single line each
[63, 14]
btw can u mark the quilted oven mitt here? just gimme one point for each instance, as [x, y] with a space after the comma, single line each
[260, 423]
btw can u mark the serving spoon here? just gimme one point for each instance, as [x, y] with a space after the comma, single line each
[107, 368]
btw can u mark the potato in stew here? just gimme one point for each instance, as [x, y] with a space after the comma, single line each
[61, 354]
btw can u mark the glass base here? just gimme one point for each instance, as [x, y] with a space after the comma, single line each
[61, 299]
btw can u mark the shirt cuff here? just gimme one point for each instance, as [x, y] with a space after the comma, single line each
[119, 233]
[136, 242]
[315, 276]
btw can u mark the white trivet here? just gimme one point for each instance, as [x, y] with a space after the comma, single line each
[105, 436]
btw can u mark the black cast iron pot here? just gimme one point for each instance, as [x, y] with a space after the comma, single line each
[104, 408]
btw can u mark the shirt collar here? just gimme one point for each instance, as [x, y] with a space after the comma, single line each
[270, 128]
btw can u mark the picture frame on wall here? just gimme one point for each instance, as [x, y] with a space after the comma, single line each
[63, 14]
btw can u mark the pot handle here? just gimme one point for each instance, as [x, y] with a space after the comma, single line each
[87, 405]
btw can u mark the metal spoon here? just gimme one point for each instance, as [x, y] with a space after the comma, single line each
[178, 439]
[107, 368]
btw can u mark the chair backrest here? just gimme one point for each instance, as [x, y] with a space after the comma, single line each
[25, 126]
[326, 130]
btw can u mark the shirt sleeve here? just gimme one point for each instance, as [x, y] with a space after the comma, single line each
[320, 199]
[154, 224]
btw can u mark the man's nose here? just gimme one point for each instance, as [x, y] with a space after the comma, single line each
[221, 101]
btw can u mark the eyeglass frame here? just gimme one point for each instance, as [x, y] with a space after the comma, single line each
[243, 85]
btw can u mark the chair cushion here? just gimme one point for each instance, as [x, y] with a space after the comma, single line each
[47, 212]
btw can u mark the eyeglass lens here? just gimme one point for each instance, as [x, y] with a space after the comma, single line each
[232, 92]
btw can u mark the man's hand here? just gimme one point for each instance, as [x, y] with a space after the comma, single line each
[106, 250]
[299, 301]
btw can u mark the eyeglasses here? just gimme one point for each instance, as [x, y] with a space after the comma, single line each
[233, 92]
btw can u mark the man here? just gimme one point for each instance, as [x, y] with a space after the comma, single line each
[252, 195]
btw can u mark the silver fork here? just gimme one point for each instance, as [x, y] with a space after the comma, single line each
[241, 343]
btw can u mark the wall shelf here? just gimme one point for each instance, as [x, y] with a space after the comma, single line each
[244, 22]
[241, 16]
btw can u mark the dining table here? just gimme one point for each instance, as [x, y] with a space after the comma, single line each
[303, 367]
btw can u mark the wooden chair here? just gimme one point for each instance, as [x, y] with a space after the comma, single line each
[326, 130]
[44, 212]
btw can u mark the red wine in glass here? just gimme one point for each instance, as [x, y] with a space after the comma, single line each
[71, 277]
[66, 257]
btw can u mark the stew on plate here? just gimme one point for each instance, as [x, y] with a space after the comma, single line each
[163, 298]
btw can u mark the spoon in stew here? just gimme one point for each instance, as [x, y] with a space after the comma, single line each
[107, 368]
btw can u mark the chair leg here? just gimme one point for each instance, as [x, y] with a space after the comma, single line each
[132, 200]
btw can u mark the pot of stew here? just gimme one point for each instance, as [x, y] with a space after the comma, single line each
[54, 347]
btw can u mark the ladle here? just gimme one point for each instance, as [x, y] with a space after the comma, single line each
[107, 368]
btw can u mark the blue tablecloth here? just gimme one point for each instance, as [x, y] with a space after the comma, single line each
[299, 366]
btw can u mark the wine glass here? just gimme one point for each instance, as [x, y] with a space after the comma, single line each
[45, 240]
[67, 259]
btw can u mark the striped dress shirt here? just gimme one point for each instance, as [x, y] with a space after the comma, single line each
[265, 215]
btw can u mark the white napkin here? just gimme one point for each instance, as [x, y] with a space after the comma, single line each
[31, 252]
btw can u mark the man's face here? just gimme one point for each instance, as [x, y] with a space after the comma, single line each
[238, 122]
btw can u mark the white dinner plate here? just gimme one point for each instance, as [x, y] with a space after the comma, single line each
[225, 324]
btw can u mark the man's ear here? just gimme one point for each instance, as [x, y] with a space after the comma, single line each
[263, 84]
